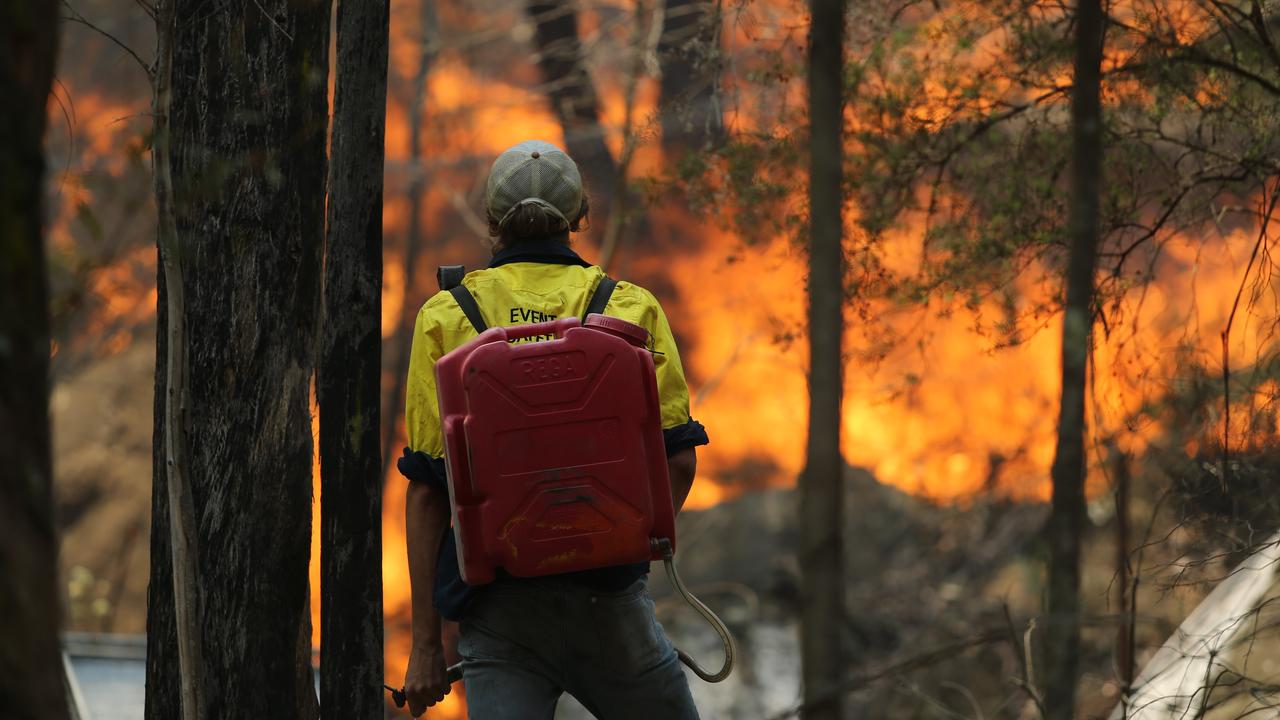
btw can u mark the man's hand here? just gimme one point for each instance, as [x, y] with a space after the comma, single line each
[426, 517]
[426, 680]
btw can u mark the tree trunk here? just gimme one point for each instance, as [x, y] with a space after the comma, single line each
[1066, 521]
[245, 133]
[822, 488]
[30, 661]
[645, 35]
[163, 700]
[402, 342]
[180, 503]
[572, 95]
[1124, 572]
[349, 377]
[690, 56]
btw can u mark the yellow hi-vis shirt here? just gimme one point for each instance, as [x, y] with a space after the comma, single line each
[526, 285]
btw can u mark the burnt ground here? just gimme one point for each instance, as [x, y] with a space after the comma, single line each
[102, 480]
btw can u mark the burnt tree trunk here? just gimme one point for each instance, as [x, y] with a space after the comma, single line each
[1066, 520]
[183, 544]
[572, 94]
[349, 376]
[689, 52]
[1119, 461]
[163, 697]
[822, 488]
[30, 663]
[245, 132]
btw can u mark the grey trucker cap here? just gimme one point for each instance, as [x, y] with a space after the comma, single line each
[534, 172]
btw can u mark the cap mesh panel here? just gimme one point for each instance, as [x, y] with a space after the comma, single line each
[552, 176]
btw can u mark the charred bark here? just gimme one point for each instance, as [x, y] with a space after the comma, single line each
[1066, 521]
[246, 131]
[163, 699]
[183, 546]
[822, 488]
[572, 94]
[690, 56]
[1125, 659]
[349, 377]
[30, 661]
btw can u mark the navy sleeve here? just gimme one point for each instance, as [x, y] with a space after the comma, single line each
[683, 437]
[451, 594]
[421, 467]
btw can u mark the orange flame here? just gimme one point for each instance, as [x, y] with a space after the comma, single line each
[946, 418]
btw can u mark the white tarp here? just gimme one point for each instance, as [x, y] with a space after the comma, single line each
[1173, 684]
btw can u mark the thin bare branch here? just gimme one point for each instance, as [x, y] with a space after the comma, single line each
[76, 17]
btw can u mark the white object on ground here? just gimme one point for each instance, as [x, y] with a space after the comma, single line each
[1173, 683]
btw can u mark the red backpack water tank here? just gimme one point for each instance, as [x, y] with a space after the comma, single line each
[554, 449]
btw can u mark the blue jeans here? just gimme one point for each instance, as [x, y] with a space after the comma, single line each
[526, 642]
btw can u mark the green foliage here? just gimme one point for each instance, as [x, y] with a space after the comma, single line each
[958, 132]
[957, 154]
[748, 183]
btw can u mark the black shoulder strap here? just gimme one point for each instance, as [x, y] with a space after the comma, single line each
[450, 276]
[600, 298]
[467, 302]
[450, 279]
